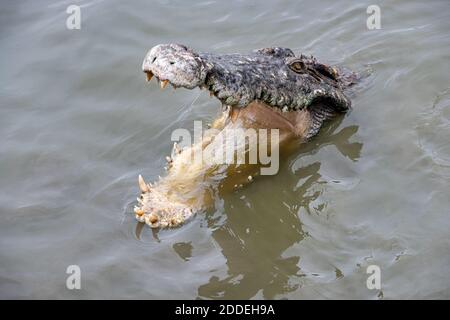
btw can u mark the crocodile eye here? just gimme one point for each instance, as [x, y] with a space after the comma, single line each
[297, 66]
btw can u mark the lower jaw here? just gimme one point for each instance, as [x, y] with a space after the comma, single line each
[190, 187]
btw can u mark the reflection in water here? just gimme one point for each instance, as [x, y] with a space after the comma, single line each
[184, 250]
[140, 227]
[254, 251]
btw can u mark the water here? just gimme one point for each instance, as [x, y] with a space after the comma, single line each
[78, 123]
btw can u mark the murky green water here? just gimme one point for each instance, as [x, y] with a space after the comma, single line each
[78, 123]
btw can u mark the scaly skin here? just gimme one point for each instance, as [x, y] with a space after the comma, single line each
[269, 88]
[272, 75]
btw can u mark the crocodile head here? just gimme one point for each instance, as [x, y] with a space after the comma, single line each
[274, 76]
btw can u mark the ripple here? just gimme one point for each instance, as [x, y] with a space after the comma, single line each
[434, 130]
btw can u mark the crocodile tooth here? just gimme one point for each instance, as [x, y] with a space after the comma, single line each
[138, 211]
[176, 149]
[164, 83]
[142, 185]
[149, 76]
[153, 218]
[168, 159]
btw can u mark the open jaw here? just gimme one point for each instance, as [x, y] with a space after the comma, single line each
[269, 78]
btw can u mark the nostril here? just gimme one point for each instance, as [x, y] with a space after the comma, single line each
[154, 59]
[171, 62]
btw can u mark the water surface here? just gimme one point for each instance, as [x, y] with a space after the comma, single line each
[78, 123]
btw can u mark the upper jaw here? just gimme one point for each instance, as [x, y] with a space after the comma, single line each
[151, 72]
[216, 88]
[271, 82]
[164, 79]
[175, 64]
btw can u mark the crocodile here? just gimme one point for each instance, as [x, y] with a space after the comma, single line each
[269, 88]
